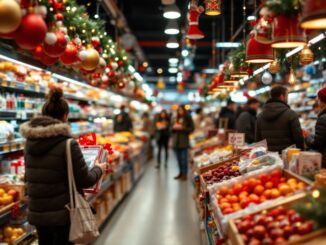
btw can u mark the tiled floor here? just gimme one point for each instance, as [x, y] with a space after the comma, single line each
[159, 211]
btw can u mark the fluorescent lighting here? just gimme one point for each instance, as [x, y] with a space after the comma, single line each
[20, 63]
[210, 71]
[173, 70]
[227, 45]
[317, 39]
[185, 53]
[173, 60]
[172, 28]
[294, 51]
[138, 77]
[131, 69]
[172, 79]
[251, 17]
[172, 43]
[171, 12]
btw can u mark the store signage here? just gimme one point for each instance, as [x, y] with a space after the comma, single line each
[236, 139]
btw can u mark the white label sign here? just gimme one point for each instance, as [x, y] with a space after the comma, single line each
[236, 139]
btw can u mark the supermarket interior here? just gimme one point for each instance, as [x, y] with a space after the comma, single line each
[163, 122]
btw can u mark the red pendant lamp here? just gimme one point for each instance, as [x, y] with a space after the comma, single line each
[257, 52]
[314, 14]
[287, 32]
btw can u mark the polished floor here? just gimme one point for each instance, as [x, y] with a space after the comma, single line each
[159, 211]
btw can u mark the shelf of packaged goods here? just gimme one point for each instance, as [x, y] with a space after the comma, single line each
[5, 217]
[23, 114]
[12, 146]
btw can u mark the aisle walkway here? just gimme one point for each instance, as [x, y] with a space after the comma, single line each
[160, 211]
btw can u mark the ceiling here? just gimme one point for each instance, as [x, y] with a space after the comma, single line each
[146, 22]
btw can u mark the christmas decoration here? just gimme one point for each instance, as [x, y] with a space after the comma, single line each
[292, 79]
[90, 58]
[274, 67]
[38, 52]
[257, 52]
[279, 7]
[193, 16]
[213, 7]
[266, 78]
[47, 60]
[55, 44]
[31, 32]
[121, 85]
[314, 14]
[264, 29]
[70, 54]
[10, 16]
[41, 10]
[306, 56]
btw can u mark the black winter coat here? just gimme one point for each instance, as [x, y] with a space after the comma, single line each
[125, 125]
[46, 171]
[181, 137]
[230, 115]
[279, 125]
[246, 123]
[318, 141]
[162, 135]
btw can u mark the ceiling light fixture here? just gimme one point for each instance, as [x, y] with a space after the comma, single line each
[172, 28]
[171, 12]
[173, 60]
[185, 53]
[172, 43]
[173, 70]
[227, 45]
[159, 71]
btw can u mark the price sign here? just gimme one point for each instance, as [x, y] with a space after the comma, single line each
[236, 139]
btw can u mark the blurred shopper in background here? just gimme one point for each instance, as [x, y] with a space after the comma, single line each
[318, 141]
[162, 136]
[313, 114]
[182, 126]
[228, 113]
[246, 122]
[198, 118]
[147, 126]
[122, 121]
[278, 124]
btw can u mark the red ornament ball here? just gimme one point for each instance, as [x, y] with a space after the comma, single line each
[38, 52]
[47, 60]
[70, 55]
[120, 63]
[31, 32]
[111, 74]
[58, 48]
[59, 16]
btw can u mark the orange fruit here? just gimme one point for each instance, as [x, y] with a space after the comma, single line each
[233, 199]
[236, 207]
[224, 191]
[292, 180]
[267, 193]
[237, 188]
[254, 198]
[259, 189]
[222, 200]
[252, 183]
[275, 193]
[301, 185]
[269, 185]
[293, 186]
[228, 211]
[284, 189]
[243, 194]
[225, 205]
[262, 198]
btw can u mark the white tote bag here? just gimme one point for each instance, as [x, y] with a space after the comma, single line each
[83, 227]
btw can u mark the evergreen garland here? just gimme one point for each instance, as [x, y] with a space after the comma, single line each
[287, 7]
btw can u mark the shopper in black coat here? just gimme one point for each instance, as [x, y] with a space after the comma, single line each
[162, 136]
[318, 141]
[122, 121]
[182, 127]
[228, 113]
[46, 170]
[246, 122]
[278, 124]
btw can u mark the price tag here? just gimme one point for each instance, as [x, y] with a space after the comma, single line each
[236, 139]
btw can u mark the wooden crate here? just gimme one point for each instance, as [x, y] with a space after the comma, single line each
[314, 238]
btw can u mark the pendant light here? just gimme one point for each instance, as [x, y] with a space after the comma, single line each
[171, 12]
[292, 78]
[287, 32]
[172, 43]
[257, 52]
[213, 7]
[172, 28]
[314, 14]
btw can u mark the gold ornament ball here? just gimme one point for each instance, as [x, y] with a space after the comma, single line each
[92, 60]
[306, 56]
[10, 16]
[274, 67]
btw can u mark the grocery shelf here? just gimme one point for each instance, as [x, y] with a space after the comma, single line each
[23, 114]
[29, 231]
[12, 146]
[5, 217]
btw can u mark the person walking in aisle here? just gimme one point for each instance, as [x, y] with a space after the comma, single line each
[318, 141]
[122, 121]
[246, 122]
[182, 126]
[278, 124]
[228, 113]
[46, 170]
[162, 136]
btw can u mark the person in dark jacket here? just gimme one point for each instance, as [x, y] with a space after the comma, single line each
[162, 135]
[122, 121]
[182, 126]
[246, 122]
[46, 170]
[228, 113]
[318, 141]
[278, 124]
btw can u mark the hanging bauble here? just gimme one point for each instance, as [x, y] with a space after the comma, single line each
[31, 32]
[111, 74]
[101, 65]
[70, 55]
[90, 58]
[41, 10]
[38, 52]
[56, 48]
[10, 16]
[120, 63]
[306, 56]
[24, 4]
[266, 78]
[213, 7]
[310, 70]
[47, 60]
[274, 67]
[10, 35]
[193, 16]
[114, 65]
[314, 14]
[105, 78]
[95, 42]
[121, 85]
[96, 75]
[59, 16]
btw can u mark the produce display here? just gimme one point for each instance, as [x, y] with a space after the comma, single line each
[9, 234]
[273, 227]
[256, 191]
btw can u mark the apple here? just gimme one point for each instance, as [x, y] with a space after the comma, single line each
[304, 228]
[254, 242]
[273, 225]
[244, 226]
[277, 232]
[264, 178]
[244, 238]
[267, 241]
[276, 174]
[294, 237]
[296, 218]
[280, 240]
[250, 233]
[259, 231]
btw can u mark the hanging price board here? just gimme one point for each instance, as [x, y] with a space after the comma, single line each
[236, 139]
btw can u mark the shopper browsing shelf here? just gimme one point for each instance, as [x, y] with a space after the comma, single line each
[278, 124]
[122, 121]
[246, 122]
[46, 170]
[318, 141]
[162, 136]
[182, 126]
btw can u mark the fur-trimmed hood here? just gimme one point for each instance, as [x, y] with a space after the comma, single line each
[43, 133]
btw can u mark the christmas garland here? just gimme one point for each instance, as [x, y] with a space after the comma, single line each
[287, 7]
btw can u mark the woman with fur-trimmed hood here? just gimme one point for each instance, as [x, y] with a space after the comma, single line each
[46, 170]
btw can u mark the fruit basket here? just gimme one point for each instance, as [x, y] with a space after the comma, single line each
[10, 195]
[11, 234]
[278, 224]
[253, 192]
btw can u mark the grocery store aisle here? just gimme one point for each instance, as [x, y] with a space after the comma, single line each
[160, 211]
